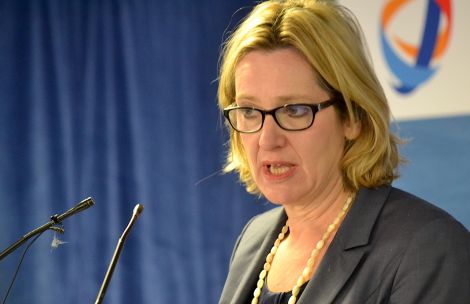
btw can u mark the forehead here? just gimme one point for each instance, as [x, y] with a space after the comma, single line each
[275, 74]
[275, 62]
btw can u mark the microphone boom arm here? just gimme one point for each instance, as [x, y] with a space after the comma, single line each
[55, 219]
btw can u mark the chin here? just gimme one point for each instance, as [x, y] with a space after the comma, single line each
[277, 197]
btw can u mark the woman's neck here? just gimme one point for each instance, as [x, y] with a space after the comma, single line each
[311, 220]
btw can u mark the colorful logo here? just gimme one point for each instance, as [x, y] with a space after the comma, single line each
[414, 63]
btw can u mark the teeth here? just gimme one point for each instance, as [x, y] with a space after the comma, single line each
[278, 169]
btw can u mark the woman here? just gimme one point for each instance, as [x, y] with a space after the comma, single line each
[310, 132]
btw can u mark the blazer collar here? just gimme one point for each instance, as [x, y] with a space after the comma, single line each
[348, 247]
[255, 254]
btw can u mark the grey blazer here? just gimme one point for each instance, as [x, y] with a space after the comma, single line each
[391, 248]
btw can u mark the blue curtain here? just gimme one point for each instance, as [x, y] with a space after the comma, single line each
[116, 100]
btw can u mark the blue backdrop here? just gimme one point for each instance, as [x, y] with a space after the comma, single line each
[117, 100]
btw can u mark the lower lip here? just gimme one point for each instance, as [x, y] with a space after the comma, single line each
[278, 177]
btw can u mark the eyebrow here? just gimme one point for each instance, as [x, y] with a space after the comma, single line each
[282, 99]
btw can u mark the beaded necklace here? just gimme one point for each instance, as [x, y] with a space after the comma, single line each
[308, 270]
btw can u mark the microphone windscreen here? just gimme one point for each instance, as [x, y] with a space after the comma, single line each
[138, 209]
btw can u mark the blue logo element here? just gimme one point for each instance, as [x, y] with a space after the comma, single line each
[421, 59]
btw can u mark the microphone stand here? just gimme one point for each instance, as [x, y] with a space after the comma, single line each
[55, 220]
[135, 214]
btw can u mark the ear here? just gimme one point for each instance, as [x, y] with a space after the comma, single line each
[352, 129]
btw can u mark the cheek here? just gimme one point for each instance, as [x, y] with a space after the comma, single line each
[250, 147]
[323, 149]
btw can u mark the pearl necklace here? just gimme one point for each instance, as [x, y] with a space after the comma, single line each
[308, 270]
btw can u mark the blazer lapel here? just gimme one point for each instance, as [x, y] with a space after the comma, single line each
[347, 249]
[254, 254]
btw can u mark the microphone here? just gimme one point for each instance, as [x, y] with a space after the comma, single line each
[55, 219]
[135, 214]
[85, 204]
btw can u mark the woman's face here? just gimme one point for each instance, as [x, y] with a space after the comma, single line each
[289, 166]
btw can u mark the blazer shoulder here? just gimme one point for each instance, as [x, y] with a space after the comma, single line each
[411, 208]
[248, 254]
[406, 218]
[435, 253]
[394, 215]
[258, 227]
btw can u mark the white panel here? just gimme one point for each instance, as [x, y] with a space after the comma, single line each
[446, 93]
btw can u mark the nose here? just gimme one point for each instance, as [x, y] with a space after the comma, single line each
[271, 135]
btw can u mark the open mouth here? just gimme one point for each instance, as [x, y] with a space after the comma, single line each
[278, 169]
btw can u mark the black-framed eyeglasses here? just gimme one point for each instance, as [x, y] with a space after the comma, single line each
[290, 117]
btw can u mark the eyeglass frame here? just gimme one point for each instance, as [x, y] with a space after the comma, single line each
[314, 107]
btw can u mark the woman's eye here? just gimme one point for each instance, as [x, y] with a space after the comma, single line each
[248, 113]
[296, 110]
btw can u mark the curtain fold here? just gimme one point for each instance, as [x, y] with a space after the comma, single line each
[116, 100]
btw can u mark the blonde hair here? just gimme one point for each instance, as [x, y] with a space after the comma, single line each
[329, 37]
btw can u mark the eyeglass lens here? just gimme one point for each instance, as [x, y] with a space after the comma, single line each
[290, 117]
